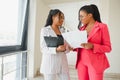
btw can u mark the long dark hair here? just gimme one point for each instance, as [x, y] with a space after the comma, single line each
[52, 13]
[90, 9]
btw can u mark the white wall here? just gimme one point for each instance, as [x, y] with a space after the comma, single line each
[103, 6]
[37, 17]
[114, 28]
[109, 11]
[31, 40]
[42, 13]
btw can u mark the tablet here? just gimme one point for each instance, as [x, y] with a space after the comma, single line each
[51, 41]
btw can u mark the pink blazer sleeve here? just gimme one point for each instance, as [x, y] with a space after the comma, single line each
[105, 46]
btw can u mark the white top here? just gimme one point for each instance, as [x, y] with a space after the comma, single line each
[52, 61]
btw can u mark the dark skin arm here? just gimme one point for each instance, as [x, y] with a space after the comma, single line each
[87, 45]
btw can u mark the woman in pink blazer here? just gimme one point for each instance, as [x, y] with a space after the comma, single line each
[91, 59]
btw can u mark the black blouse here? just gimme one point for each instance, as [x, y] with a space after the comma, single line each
[60, 40]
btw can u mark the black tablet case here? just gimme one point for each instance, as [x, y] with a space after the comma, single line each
[53, 41]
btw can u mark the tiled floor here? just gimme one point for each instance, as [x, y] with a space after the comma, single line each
[73, 76]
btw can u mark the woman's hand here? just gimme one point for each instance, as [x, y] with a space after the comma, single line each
[61, 48]
[70, 48]
[87, 45]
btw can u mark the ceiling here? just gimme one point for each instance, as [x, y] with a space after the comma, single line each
[49, 2]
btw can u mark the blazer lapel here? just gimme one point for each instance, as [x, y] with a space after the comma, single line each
[94, 30]
[82, 28]
[51, 31]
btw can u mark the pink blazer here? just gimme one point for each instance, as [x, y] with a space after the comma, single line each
[99, 37]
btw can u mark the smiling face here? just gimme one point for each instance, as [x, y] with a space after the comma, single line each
[58, 19]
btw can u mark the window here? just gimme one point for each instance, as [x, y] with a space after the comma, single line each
[13, 39]
[9, 29]
[13, 25]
